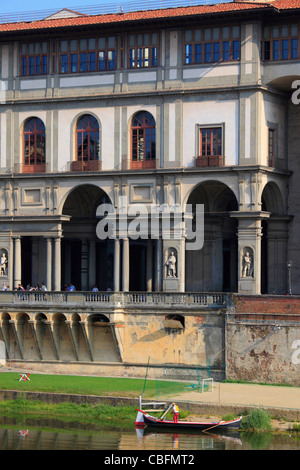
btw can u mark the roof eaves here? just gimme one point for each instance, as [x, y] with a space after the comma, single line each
[237, 8]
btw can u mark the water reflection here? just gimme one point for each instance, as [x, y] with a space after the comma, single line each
[149, 440]
[30, 437]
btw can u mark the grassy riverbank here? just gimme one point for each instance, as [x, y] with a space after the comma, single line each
[86, 385]
[99, 414]
[94, 415]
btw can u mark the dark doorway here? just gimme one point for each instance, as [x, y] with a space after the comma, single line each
[264, 258]
[71, 263]
[226, 266]
[26, 268]
[137, 277]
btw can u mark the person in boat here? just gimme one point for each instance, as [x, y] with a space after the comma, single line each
[175, 413]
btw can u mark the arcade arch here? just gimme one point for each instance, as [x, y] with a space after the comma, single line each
[86, 260]
[274, 241]
[214, 268]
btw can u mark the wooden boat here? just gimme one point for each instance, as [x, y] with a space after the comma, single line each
[144, 419]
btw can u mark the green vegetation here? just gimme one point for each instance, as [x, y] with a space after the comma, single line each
[97, 415]
[83, 385]
[257, 420]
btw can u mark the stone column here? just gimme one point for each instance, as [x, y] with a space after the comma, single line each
[117, 265]
[17, 261]
[49, 264]
[158, 265]
[249, 251]
[57, 264]
[125, 271]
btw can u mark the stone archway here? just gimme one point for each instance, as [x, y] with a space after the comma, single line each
[86, 260]
[214, 267]
[274, 242]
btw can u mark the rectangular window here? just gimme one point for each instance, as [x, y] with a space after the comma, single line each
[271, 149]
[216, 51]
[198, 53]
[73, 63]
[226, 50]
[143, 50]
[280, 42]
[210, 146]
[34, 59]
[235, 50]
[111, 65]
[294, 48]
[31, 66]
[267, 50]
[92, 61]
[64, 63]
[276, 49]
[211, 141]
[87, 55]
[285, 49]
[83, 62]
[207, 52]
[188, 53]
[44, 64]
[212, 45]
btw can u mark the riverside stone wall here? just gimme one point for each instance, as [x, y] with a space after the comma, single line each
[252, 338]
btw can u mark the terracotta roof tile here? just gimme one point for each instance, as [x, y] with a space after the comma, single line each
[146, 15]
[286, 4]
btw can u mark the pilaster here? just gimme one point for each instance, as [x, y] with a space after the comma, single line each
[249, 250]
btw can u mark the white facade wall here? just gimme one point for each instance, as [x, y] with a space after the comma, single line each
[209, 112]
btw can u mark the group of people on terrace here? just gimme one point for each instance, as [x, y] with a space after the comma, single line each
[42, 287]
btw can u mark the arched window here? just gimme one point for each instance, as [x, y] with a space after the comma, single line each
[143, 141]
[34, 146]
[87, 143]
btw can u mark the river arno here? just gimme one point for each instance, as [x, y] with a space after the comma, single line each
[23, 437]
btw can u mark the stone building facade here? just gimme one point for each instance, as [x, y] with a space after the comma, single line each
[164, 108]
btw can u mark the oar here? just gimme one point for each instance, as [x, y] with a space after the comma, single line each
[216, 425]
[169, 407]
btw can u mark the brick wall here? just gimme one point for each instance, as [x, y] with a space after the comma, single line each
[287, 307]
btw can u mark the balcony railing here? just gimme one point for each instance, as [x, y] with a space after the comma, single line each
[90, 165]
[144, 300]
[143, 164]
[211, 160]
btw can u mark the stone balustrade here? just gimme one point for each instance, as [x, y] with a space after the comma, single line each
[101, 300]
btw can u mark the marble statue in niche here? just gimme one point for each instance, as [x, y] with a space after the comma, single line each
[171, 263]
[247, 262]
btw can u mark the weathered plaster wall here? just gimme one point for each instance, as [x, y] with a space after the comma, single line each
[147, 336]
[263, 340]
[255, 338]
